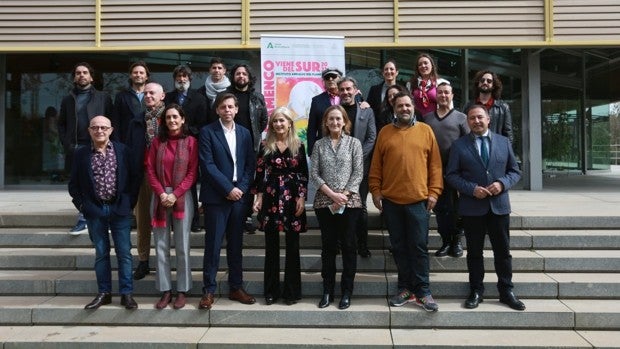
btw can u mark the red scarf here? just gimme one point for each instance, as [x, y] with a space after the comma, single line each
[179, 171]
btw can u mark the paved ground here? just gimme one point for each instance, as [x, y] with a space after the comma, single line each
[562, 196]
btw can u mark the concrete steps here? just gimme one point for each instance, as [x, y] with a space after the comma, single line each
[565, 270]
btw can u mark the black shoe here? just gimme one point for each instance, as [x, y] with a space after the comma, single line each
[100, 299]
[141, 271]
[290, 301]
[443, 250]
[345, 302]
[473, 300]
[249, 226]
[327, 298]
[128, 301]
[196, 228]
[269, 300]
[456, 248]
[364, 252]
[512, 301]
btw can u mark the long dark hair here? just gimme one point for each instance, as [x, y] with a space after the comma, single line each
[497, 84]
[164, 132]
[385, 105]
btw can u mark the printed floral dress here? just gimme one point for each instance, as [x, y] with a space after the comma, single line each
[282, 178]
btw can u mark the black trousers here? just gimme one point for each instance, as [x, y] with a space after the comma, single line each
[498, 229]
[362, 222]
[291, 288]
[334, 228]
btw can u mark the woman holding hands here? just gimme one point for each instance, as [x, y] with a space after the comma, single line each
[337, 170]
[171, 168]
[280, 186]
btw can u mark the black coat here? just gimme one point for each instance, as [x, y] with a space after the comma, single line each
[195, 108]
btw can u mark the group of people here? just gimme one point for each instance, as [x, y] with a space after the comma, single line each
[408, 147]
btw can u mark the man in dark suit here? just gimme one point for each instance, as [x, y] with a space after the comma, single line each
[102, 188]
[482, 168]
[362, 128]
[194, 105]
[321, 102]
[128, 103]
[227, 162]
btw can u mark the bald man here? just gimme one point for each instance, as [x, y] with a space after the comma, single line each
[102, 189]
[141, 134]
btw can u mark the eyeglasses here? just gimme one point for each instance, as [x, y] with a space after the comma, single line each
[97, 128]
[488, 81]
[330, 76]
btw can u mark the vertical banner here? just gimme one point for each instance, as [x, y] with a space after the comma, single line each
[291, 71]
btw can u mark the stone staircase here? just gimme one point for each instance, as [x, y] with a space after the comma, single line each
[567, 273]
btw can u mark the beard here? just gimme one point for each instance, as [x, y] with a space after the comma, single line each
[485, 89]
[182, 86]
[241, 85]
[404, 119]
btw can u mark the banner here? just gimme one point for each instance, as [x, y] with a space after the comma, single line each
[291, 71]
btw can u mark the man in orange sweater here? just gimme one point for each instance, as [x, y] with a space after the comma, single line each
[405, 180]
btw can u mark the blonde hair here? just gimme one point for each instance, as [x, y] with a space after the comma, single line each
[292, 140]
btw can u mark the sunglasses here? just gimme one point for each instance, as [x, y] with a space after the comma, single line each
[330, 76]
[483, 80]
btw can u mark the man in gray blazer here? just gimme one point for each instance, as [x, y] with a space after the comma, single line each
[482, 168]
[363, 127]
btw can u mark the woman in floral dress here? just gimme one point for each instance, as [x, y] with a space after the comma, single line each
[281, 187]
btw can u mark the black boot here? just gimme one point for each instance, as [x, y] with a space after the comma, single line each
[142, 270]
[443, 250]
[456, 248]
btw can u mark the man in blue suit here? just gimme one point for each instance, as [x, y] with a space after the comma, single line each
[227, 162]
[102, 188]
[482, 168]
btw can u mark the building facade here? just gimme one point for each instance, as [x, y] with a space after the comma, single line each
[559, 61]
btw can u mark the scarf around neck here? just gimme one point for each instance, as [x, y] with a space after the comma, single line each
[179, 171]
[151, 118]
[213, 88]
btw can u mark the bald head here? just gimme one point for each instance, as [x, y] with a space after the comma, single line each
[153, 95]
[100, 129]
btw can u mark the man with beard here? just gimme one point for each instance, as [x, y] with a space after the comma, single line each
[216, 82]
[76, 110]
[128, 103]
[405, 181]
[487, 91]
[252, 115]
[362, 128]
[139, 139]
[194, 105]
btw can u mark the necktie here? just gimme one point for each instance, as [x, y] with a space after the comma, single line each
[181, 98]
[484, 151]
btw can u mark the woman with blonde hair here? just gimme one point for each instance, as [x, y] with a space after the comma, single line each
[280, 186]
[337, 171]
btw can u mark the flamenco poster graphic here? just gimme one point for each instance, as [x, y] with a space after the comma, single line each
[291, 71]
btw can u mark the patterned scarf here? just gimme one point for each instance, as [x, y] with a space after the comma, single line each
[151, 117]
[424, 86]
[179, 171]
[213, 88]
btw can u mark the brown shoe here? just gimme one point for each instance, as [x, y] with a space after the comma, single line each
[241, 296]
[180, 301]
[206, 301]
[165, 299]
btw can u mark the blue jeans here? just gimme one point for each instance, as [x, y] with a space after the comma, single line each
[408, 229]
[120, 226]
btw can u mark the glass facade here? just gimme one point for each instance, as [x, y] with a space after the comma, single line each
[579, 99]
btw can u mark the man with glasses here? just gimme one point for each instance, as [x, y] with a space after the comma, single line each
[76, 110]
[320, 102]
[102, 188]
[487, 91]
